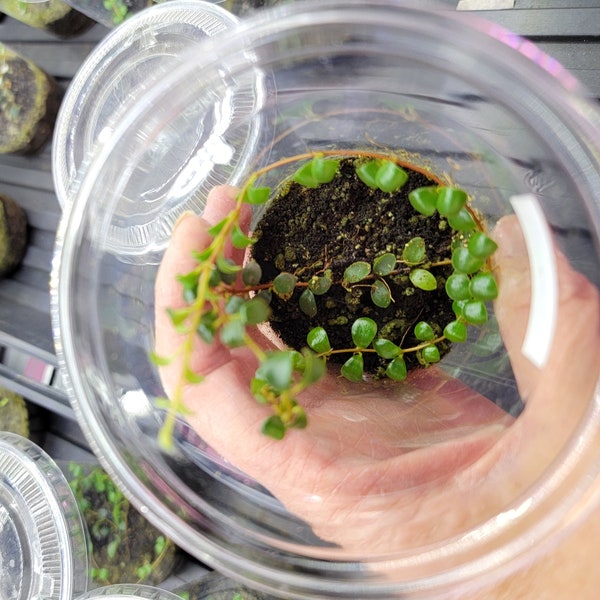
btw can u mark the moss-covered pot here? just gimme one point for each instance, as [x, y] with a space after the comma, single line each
[111, 12]
[215, 586]
[54, 16]
[13, 234]
[14, 416]
[29, 101]
[124, 546]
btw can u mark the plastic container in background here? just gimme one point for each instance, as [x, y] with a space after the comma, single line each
[112, 13]
[118, 67]
[43, 551]
[54, 16]
[129, 591]
[481, 108]
[29, 101]
[215, 586]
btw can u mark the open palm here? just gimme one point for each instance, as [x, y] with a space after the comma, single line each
[379, 454]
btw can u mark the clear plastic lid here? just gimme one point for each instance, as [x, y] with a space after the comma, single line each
[43, 553]
[122, 65]
[425, 489]
[129, 591]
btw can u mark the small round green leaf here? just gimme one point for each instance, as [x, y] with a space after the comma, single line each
[233, 334]
[261, 390]
[386, 348]
[456, 331]
[314, 367]
[178, 317]
[424, 331]
[277, 369]
[390, 177]
[217, 228]
[251, 273]
[356, 272]
[215, 276]
[450, 200]
[458, 307]
[239, 239]
[475, 312]
[457, 286]
[353, 368]
[207, 327]
[414, 251]
[464, 262]
[324, 169]
[273, 427]
[319, 285]
[481, 245]
[483, 287]
[299, 418]
[380, 294]
[228, 269]
[423, 280]
[383, 265]
[284, 285]
[304, 176]
[430, 354]
[307, 303]
[462, 220]
[189, 283]
[255, 311]
[234, 304]
[256, 195]
[367, 173]
[364, 331]
[318, 340]
[396, 369]
[424, 200]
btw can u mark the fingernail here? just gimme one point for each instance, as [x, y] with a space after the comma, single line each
[509, 237]
[182, 217]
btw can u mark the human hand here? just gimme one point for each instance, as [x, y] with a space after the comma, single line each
[372, 457]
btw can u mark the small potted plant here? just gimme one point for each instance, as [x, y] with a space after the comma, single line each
[14, 416]
[124, 546]
[29, 101]
[54, 16]
[111, 12]
[360, 264]
[13, 234]
[215, 586]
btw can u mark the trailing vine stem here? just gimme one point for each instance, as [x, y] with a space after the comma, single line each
[217, 306]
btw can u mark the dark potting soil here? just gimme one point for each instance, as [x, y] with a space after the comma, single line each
[306, 230]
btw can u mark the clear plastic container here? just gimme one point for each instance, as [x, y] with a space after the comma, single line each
[118, 67]
[129, 591]
[113, 13]
[43, 551]
[446, 484]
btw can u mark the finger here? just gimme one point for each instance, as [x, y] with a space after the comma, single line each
[189, 234]
[220, 202]
[576, 331]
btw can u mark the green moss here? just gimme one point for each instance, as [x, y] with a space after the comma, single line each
[13, 234]
[13, 413]
[27, 98]
[36, 14]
